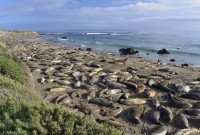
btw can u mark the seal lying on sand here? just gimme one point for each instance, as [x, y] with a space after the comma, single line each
[162, 130]
[182, 121]
[166, 114]
[192, 112]
[189, 131]
[191, 95]
[176, 103]
[135, 114]
[132, 101]
[155, 116]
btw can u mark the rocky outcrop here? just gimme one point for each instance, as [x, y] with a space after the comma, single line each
[63, 37]
[126, 51]
[89, 49]
[163, 51]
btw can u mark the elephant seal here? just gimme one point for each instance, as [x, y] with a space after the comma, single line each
[135, 114]
[163, 88]
[102, 102]
[191, 95]
[87, 108]
[130, 85]
[114, 85]
[150, 93]
[132, 101]
[194, 121]
[176, 103]
[166, 114]
[91, 95]
[192, 112]
[162, 130]
[116, 111]
[154, 102]
[155, 116]
[188, 131]
[182, 121]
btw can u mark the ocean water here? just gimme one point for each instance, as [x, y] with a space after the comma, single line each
[184, 46]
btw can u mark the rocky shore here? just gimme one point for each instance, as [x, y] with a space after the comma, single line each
[132, 94]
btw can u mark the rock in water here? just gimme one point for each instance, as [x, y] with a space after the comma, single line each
[163, 51]
[126, 51]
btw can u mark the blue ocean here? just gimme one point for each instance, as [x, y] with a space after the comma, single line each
[184, 46]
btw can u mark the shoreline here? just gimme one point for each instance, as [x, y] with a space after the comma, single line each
[76, 74]
[72, 40]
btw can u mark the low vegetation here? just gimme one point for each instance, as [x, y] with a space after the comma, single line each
[10, 67]
[20, 118]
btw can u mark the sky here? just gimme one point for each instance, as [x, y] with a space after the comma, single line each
[102, 15]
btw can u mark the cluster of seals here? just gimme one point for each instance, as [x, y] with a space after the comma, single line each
[135, 96]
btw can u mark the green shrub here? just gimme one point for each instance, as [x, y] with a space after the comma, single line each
[10, 67]
[23, 119]
[17, 91]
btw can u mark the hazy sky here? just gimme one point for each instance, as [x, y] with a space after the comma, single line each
[100, 14]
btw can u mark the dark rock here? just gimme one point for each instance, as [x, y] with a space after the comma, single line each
[126, 51]
[94, 65]
[184, 65]
[172, 60]
[163, 51]
[80, 49]
[63, 37]
[147, 53]
[41, 34]
[89, 49]
[198, 79]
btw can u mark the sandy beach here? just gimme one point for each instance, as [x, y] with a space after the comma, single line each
[134, 95]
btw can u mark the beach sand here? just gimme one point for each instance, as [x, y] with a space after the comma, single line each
[79, 80]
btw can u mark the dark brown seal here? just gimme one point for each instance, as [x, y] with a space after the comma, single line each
[135, 114]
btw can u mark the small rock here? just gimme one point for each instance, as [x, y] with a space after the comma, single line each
[89, 49]
[126, 51]
[163, 51]
[172, 60]
[184, 65]
[63, 37]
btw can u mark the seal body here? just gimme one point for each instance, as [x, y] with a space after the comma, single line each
[182, 121]
[162, 130]
[192, 112]
[155, 116]
[135, 114]
[132, 101]
[192, 95]
[189, 131]
[176, 103]
[167, 114]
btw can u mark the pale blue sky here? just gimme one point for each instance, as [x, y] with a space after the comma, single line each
[100, 14]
